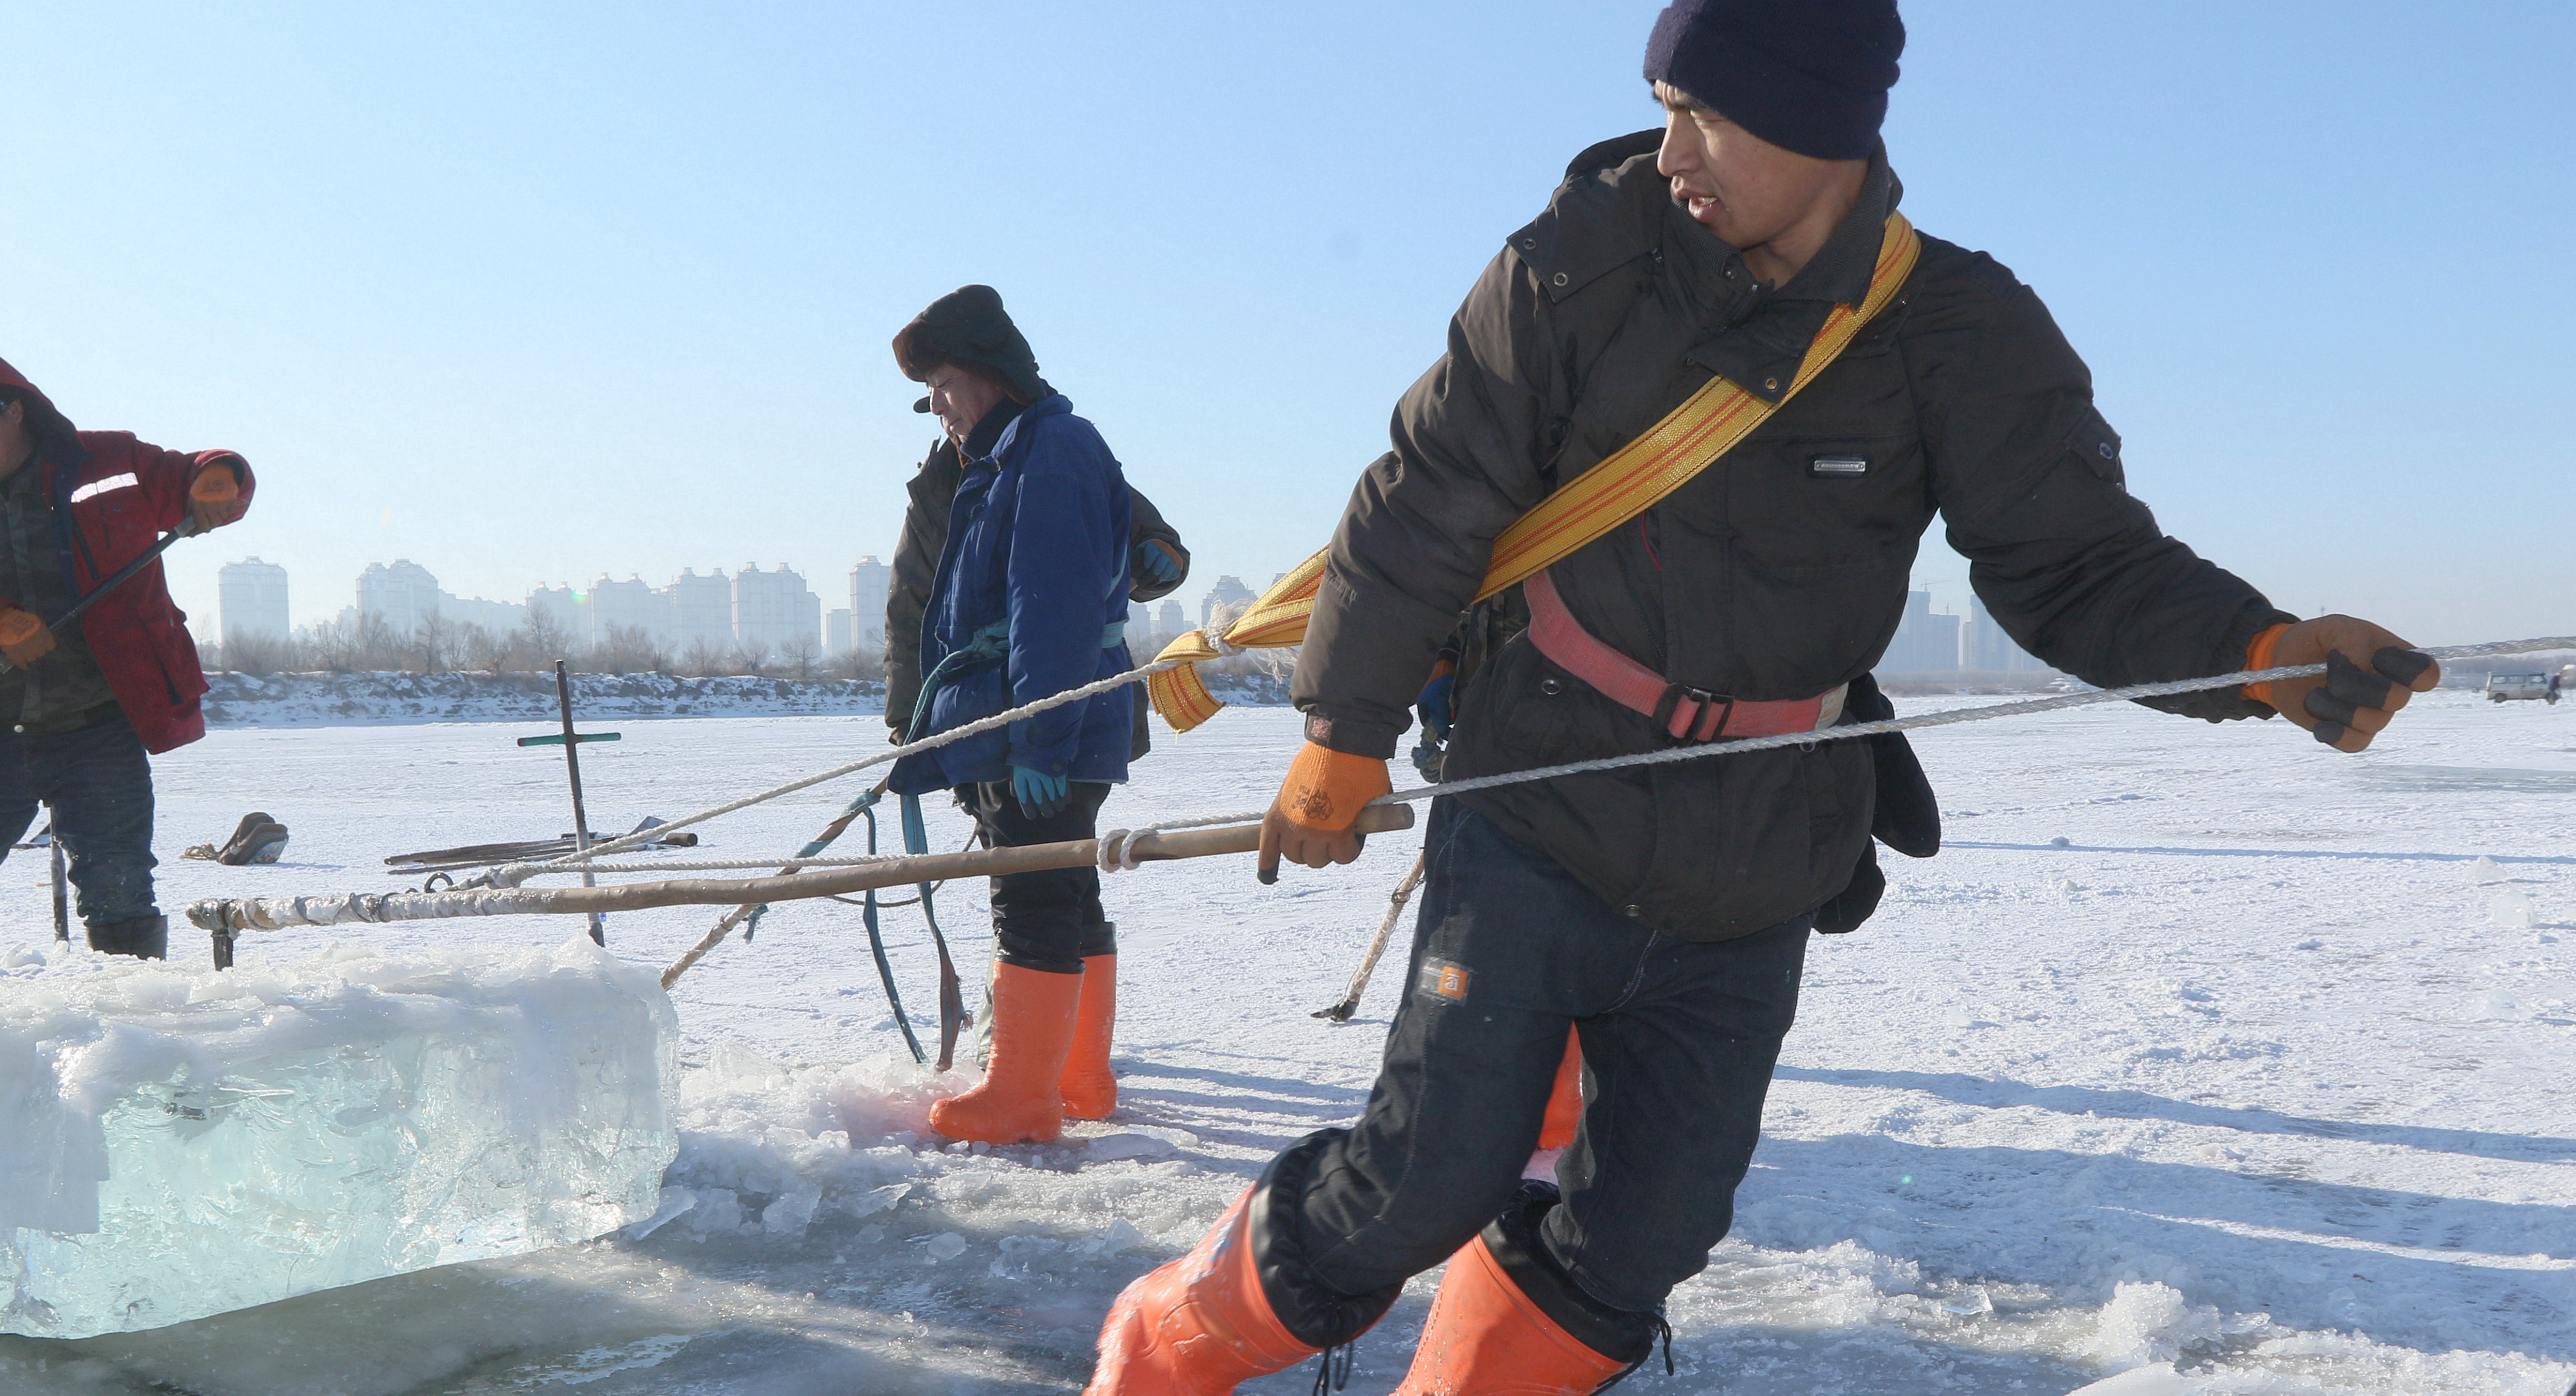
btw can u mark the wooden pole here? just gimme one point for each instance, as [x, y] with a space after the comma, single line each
[276, 913]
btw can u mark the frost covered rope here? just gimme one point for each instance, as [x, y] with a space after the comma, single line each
[980, 725]
[1114, 842]
[1117, 844]
[224, 916]
[1946, 718]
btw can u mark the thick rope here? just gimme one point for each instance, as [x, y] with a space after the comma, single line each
[364, 907]
[980, 725]
[1117, 846]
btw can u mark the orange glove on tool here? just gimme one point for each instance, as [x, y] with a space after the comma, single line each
[23, 637]
[1310, 823]
[2350, 704]
[214, 498]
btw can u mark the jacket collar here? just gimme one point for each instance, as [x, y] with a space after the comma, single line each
[1767, 334]
[1840, 270]
[980, 441]
[1052, 405]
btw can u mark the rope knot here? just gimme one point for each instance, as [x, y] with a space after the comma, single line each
[1118, 849]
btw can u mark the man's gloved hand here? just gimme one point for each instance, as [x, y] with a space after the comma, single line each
[24, 639]
[2350, 704]
[1156, 562]
[1439, 698]
[1040, 795]
[214, 498]
[1310, 822]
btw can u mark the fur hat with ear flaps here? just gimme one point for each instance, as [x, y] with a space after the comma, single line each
[968, 327]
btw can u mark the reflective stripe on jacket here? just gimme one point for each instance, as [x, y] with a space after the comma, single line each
[115, 496]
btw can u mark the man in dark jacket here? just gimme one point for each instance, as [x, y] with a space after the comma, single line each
[1029, 599]
[1664, 910]
[83, 708]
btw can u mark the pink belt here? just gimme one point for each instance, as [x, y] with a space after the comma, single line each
[1689, 714]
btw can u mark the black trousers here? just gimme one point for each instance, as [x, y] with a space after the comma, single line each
[1043, 920]
[99, 781]
[1679, 1040]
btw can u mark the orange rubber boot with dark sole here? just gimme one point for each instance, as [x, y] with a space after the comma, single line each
[1565, 1102]
[1090, 1088]
[1017, 1101]
[1198, 1325]
[1486, 1338]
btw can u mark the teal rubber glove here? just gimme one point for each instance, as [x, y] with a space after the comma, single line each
[1040, 795]
[1157, 564]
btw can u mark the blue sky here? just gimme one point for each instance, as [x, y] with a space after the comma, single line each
[526, 294]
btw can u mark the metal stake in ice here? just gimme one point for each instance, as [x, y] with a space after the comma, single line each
[571, 742]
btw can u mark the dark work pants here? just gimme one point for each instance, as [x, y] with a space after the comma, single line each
[1043, 920]
[1679, 1039]
[99, 782]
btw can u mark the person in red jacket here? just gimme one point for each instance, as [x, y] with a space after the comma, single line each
[84, 706]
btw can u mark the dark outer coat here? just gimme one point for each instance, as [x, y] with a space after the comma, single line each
[114, 497]
[1756, 579]
[916, 562]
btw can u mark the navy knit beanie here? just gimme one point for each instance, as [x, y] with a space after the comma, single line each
[1805, 75]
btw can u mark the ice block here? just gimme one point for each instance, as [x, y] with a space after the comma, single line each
[177, 1142]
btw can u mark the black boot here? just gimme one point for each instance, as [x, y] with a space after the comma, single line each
[145, 937]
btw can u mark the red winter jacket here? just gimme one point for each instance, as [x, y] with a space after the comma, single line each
[113, 498]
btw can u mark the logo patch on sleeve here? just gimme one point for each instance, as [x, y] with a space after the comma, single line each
[1443, 980]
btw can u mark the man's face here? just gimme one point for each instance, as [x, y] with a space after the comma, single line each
[1734, 183]
[960, 397]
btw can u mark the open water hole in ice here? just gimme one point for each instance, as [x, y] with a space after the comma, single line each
[2198, 1063]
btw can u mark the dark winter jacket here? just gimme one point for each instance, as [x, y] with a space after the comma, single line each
[916, 564]
[1762, 578]
[1036, 560]
[113, 498]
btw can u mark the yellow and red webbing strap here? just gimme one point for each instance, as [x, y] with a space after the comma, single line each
[1624, 484]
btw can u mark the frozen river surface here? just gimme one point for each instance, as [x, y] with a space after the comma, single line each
[2201, 1061]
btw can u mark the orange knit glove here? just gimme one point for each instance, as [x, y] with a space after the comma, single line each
[23, 637]
[1310, 822]
[2350, 704]
[214, 498]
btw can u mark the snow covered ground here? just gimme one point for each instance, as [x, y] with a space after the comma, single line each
[2198, 1045]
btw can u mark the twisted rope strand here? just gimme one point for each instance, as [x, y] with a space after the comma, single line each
[1118, 845]
[977, 727]
[1124, 839]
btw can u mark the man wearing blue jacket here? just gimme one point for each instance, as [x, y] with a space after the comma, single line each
[1030, 600]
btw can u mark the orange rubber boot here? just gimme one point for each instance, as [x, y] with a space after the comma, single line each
[1485, 1337]
[1033, 1014]
[1090, 1088]
[1565, 1102]
[1197, 1325]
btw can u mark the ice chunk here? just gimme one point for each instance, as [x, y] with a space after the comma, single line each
[2484, 871]
[2511, 909]
[178, 1142]
[2158, 1380]
[1129, 1144]
[2146, 1324]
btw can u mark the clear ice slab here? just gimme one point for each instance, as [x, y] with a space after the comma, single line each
[179, 1142]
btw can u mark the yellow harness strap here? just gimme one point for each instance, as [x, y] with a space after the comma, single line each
[1624, 484]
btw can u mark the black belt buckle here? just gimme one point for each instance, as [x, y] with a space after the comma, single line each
[1701, 700]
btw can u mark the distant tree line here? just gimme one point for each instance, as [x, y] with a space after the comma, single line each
[369, 644]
